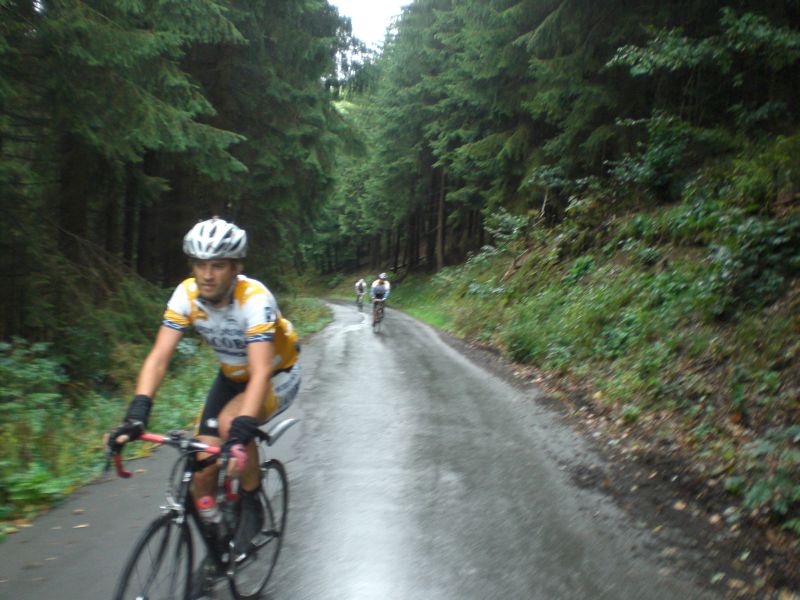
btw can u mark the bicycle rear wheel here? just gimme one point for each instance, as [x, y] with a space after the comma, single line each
[251, 572]
[160, 566]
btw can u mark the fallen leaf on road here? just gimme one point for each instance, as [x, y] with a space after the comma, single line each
[669, 552]
[679, 505]
[736, 584]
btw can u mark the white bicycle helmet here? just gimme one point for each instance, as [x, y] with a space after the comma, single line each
[215, 238]
[382, 276]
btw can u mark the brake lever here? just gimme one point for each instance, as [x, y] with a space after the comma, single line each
[117, 458]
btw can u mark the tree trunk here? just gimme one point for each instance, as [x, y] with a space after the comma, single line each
[130, 214]
[148, 263]
[73, 194]
[396, 260]
[440, 222]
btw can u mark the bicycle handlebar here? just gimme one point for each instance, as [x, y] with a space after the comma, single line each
[175, 439]
[178, 439]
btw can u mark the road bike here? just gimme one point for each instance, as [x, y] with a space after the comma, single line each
[377, 314]
[360, 301]
[161, 564]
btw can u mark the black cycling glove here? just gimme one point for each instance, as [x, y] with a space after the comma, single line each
[135, 421]
[243, 431]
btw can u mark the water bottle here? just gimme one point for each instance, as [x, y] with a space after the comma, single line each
[213, 523]
[208, 510]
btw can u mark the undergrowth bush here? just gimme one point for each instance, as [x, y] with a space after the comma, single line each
[41, 429]
[306, 314]
[130, 315]
[773, 480]
[751, 266]
[335, 280]
[52, 442]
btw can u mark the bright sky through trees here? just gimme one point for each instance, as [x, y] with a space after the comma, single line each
[370, 18]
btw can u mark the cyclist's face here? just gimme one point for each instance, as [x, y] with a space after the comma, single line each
[214, 277]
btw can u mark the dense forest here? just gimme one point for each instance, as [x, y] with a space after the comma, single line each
[563, 110]
[607, 190]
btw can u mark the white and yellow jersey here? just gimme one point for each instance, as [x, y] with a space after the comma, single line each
[251, 316]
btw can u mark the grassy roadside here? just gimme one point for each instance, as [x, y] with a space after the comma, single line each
[42, 465]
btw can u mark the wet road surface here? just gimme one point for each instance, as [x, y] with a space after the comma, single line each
[414, 474]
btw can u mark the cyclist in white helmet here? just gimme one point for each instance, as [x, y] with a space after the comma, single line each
[361, 289]
[257, 349]
[379, 291]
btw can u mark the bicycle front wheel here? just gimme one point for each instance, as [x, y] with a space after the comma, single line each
[160, 566]
[252, 571]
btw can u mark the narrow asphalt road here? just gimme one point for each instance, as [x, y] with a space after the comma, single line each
[414, 474]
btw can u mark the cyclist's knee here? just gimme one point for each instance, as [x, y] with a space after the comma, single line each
[205, 478]
[223, 423]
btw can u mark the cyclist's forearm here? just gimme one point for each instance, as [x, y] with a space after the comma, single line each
[255, 395]
[151, 375]
[155, 365]
[261, 357]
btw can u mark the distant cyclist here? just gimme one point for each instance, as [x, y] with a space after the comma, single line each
[361, 289]
[379, 292]
[257, 349]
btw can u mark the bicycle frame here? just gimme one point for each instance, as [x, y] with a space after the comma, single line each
[179, 500]
[377, 311]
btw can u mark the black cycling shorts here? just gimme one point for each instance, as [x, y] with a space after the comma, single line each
[222, 391]
[284, 385]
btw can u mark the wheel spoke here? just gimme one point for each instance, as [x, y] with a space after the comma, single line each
[253, 570]
[160, 565]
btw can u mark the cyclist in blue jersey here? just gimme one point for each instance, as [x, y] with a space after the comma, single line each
[379, 292]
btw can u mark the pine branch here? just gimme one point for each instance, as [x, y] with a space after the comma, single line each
[26, 158]
[29, 183]
[27, 119]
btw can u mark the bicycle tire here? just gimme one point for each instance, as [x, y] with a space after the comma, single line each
[160, 565]
[250, 576]
[378, 319]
